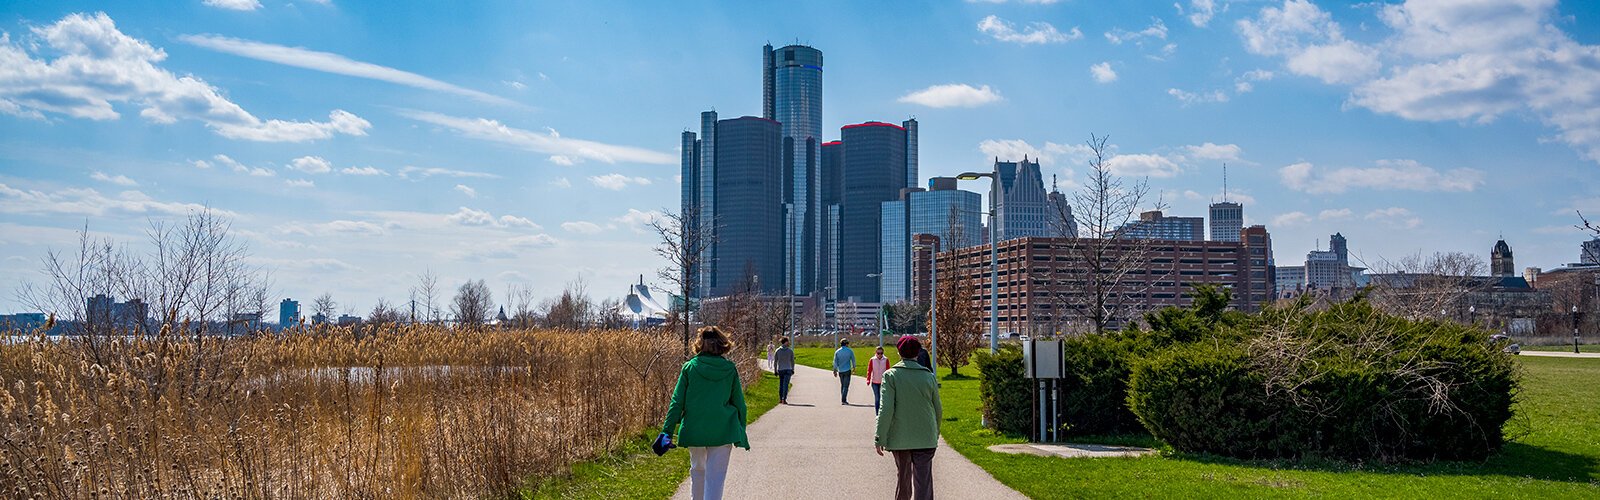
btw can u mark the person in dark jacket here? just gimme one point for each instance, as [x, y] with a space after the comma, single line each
[708, 402]
[908, 424]
[783, 366]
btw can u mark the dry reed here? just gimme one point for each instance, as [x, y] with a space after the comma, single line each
[406, 412]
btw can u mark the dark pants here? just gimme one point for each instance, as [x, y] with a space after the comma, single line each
[877, 396]
[844, 387]
[913, 471]
[783, 384]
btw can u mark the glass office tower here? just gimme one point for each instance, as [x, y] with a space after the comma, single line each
[792, 95]
[748, 215]
[874, 171]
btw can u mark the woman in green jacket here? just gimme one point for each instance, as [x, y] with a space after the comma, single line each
[908, 424]
[709, 403]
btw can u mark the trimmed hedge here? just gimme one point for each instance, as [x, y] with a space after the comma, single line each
[1006, 393]
[1348, 382]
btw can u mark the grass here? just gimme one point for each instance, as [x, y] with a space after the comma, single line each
[1555, 454]
[633, 471]
[1563, 348]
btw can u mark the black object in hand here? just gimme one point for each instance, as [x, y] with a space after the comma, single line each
[662, 444]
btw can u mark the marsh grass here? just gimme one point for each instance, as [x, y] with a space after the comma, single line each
[402, 412]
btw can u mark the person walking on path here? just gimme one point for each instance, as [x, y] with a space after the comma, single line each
[783, 365]
[844, 363]
[708, 402]
[908, 425]
[875, 368]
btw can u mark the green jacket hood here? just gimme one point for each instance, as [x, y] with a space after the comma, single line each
[712, 367]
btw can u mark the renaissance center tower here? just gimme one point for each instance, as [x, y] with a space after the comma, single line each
[792, 95]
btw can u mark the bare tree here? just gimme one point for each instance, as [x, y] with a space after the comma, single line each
[572, 309]
[472, 305]
[684, 240]
[1094, 287]
[960, 327]
[424, 296]
[324, 307]
[1418, 286]
[520, 298]
[609, 315]
[384, 314]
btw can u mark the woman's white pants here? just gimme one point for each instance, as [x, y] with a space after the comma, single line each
[708, 468]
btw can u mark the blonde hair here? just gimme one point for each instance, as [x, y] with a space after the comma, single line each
[712, 341]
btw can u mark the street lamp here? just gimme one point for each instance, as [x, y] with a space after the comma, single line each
[879, 316]
[994, 252]
[933, 308]
[1472, 315]
[1575, 329]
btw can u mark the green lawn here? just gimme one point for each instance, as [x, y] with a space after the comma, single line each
[1556, 453]
[1563, 348]
[634, 471]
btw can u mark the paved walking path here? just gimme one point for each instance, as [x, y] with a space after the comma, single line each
[817, 448]
[1561, 354]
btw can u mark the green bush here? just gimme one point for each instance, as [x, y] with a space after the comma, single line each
[1347, 382]
[1007, 395]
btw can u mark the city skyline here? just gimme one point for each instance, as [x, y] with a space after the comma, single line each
[528, 143]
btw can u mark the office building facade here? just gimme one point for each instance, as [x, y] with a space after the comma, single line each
[733, 192]
[942, 212]
[1589, 253]
[288, 313]
[873, 171]
[792, 95]
[1227, 220]
[1154, 225]
[1022, 208]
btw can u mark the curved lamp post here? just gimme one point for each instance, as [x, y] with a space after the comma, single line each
[994, 252]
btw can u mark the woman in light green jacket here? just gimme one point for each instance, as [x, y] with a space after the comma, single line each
[908, 423]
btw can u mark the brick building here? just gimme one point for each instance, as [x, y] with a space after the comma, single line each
[1041, 279]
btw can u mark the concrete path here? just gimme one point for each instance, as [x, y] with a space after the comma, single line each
[817, 448]
[1562, 354]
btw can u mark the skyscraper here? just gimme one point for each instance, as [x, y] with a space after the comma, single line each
[1060, 213]
[941, 212]
[1227, 220]
[1023, 208]
[288, 313]
[832, 173]
[1153, 225]
[1589, 253]
[874, 171]
[792, 94]
[747, 213]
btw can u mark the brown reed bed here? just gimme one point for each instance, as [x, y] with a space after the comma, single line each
[403, 412]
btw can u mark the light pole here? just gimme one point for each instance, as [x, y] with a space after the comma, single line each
[1575, 329]
[994, 253]
[1472, 315]
[933, 307]
[879, 315]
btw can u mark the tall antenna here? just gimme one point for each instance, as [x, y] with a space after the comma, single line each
[1224, 182]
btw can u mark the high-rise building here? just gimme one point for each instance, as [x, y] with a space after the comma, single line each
[749, 241]
[1153, 225]
[1060, 212]
[874, 171]
[1500, 261]
[832, 174]
[942, 211]
[792, 94]
[1590, 252]
[1022, 208]
[288, 313]
[1339, 247]
[1227, 219]
[1259, 287]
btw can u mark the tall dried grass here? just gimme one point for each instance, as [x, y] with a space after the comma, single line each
[406, 412]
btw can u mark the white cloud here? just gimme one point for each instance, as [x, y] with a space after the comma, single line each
[348, 227]
[200, 164]
[99, 65]
[519, 222]
[1049, 155]
[1396, 175]
[1395, 217]
[562, 183]
[1033, 33]
[562, 160]
[311, 165]
[617, 182]
[89, 202]
[482, 218]
[1197, 98]
[952, 95]
[1334, 214]
[549, 142]
[515, 84]
[120, 180]
[1156, 31]
[1103, 73]
[234, 4]
[1234, 196]
[300, 183]
[1246, 82]
[584, 227]
[363, 171]
[637, 220]
[224, 160]
[1143, 165]
[1291, 219]
[1339, 62]
[532, 241]
[408, 172]
[333, 63]
[464, 189]
[1215, 152]
[1200, 11]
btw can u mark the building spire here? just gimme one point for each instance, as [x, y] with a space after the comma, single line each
[1224, 182]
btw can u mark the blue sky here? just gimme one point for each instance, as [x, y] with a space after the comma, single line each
[357, 144]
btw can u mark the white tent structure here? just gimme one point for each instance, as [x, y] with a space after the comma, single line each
[641, 308]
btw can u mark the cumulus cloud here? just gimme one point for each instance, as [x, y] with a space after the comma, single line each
[1200, 11]
[311, 165]
[98, 65]
[562, 183]
[1334, 214]
[120, 180]
[1394, 175]
[1216, 152]
[1103, 73]
[363, 171]
[637, 220]
[464, 189]
[89, 202]
[1033, 33]
[952, 96]
[548, 142]
[224, 160]
[1246, 82]
[1049, 154]
[234, 4]
[333, 63]
[300, 183]
[1156, 31]
[482, 218]
[584, 227]
[1143, 165]
[1291, 219]
[410, 172]
[1395, 217]
[1187, 97]
[617, 182]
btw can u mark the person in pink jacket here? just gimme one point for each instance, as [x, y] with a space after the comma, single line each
[875, 368]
